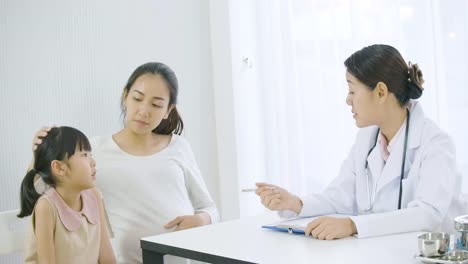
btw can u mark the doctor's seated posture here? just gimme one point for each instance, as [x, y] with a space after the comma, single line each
[400, 175]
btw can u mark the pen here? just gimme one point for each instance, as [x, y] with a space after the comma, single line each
[254, 189]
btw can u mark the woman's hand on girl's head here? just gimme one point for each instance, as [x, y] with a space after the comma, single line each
[189, 221]
[276, 198]
[41, 133]
[328, 228]
[37, 140]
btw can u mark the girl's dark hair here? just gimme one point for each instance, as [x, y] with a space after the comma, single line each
[59, 144]
[173, 124]
[383, 63]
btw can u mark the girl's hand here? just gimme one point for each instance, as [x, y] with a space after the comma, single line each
[37, 139]
[277, 198]
[328, 228]
[189, 221]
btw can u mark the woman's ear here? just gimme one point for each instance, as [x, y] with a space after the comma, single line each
[124, 99]
[169, 109]
[381, 90]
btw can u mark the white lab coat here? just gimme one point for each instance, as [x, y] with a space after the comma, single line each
[431, 184]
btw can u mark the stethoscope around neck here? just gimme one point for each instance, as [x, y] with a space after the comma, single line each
[371, 197]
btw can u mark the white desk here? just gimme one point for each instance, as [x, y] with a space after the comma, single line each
[243, 241]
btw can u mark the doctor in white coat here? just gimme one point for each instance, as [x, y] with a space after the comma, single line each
[400, 175]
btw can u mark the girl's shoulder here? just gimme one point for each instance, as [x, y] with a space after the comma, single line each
[91, 205]
[71, 219]
[44, 205]
[44, 210]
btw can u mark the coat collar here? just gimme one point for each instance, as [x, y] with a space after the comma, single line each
[417, 119]
[392, 168]
[70, 218]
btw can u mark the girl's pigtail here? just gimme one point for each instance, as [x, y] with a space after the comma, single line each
[28, 194]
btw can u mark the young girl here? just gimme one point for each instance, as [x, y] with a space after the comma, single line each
[147, 173]
[67, 219]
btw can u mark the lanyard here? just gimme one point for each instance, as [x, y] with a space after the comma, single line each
[371, 198]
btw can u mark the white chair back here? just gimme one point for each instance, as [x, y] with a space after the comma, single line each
[12, 232]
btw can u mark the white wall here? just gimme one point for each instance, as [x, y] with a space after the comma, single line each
[66, 62]
[220, 25]
[234, 80]
[247, 101]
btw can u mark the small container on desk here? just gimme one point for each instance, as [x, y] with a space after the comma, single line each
[461, 225]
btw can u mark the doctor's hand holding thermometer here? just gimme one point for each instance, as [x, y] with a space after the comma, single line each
[278, 199]
[400, 174]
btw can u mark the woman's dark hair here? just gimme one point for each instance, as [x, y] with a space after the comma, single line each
[173, 124]
[59, 144]
[383, 63]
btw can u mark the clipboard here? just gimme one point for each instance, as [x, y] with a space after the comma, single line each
[289, 229]
[296, 225]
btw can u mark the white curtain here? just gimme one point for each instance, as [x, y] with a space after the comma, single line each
[306, 127]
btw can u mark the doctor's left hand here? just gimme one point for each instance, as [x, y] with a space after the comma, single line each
[328, 228]
[189, 221]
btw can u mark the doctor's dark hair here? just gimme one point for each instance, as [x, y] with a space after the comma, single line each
[383, 63]
[59, 144]
[173, 124]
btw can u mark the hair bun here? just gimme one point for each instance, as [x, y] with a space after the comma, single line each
[415, 81]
